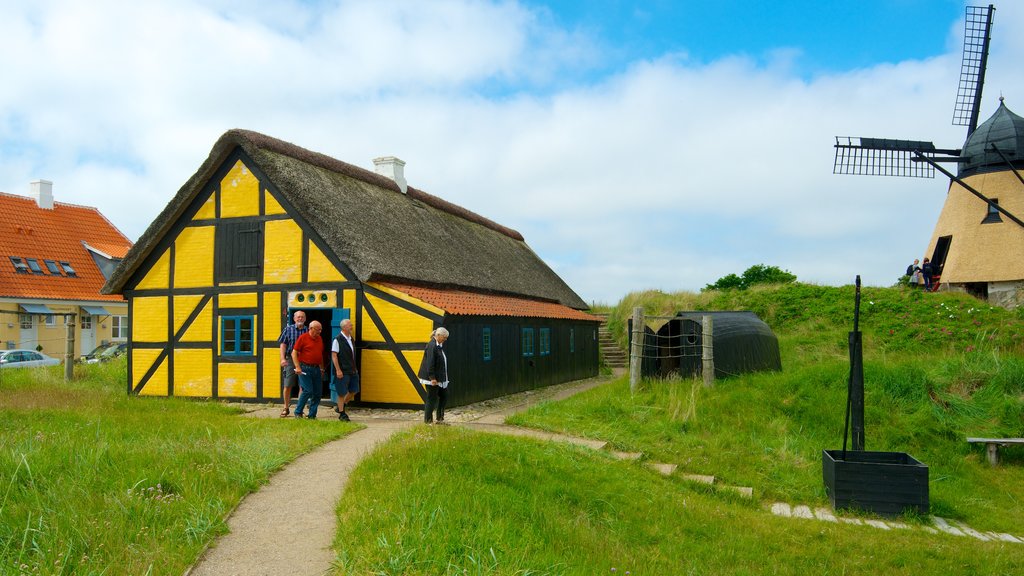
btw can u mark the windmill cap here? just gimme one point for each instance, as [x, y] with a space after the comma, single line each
[1004, 130]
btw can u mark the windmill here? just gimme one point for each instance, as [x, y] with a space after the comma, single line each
[977, 235]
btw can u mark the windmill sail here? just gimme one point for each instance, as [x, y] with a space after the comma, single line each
[977, 33]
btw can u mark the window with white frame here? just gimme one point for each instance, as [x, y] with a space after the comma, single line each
[119, 327]
[86, 322]
[51, 320]
[25, 320]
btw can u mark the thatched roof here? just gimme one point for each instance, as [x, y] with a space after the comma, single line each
[379, 232]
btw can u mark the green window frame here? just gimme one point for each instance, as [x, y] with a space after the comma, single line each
[545, 341]
[486, 342]
[527, 340]
[236, 335]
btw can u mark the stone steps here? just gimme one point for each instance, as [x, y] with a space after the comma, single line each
[938, 524]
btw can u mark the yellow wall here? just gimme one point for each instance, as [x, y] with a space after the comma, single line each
[142, 361]
[239, 193]
[236, 380]
[282, 252]
[273, 207]
[150, 319]
[208, 211]
[201, 327]
[193, 257]
[403, 325]
[383, 380]
[159, 275]
[193, 372]
[242, 300]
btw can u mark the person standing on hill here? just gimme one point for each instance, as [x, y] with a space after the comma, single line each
[926, 272]
[433, 375]
[308, 356]
[914, 272]
[286, 341]
[345, 383]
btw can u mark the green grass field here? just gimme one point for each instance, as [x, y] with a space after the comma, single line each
[938, 367]
[93, 481]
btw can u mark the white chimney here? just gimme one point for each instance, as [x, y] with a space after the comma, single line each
[392, 168]
[42, 191]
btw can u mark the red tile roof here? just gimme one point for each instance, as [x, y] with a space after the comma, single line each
[28, 231]
[464, 303]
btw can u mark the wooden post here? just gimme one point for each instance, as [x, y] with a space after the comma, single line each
[69, 346]
[636, 351]
[708, 350]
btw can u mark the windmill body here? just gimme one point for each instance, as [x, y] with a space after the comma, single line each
[975, 248]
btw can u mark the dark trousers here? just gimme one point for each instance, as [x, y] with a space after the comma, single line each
[437, 397]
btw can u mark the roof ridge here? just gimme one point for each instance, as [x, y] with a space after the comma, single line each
[333, 164]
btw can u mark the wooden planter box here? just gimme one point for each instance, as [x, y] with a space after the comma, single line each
[881, 482]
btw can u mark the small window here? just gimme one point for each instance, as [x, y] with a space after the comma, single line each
[119, 327]
[572, 340]
[68, 269]
[527, 341]
[545, 341]
[33, 265]
[52, 267]
[19, 265]
[992, 216]
[86, 322]
[51, 320]
[26, 321]
[486, 339]
[236, 335]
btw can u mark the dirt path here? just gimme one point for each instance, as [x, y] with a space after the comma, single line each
[273, 531]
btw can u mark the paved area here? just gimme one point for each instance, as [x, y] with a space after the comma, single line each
[270, 533]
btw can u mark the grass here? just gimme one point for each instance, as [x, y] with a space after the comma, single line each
[938, 367]
[93, 481]
[451, 502]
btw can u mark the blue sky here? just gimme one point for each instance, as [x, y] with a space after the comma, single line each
[655, 145]
[829, 36]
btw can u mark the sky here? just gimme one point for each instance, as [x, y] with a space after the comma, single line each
[635, 145]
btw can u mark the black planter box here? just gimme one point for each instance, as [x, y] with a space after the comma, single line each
[881, 482]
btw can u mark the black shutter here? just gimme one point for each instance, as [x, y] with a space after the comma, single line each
[237, 254]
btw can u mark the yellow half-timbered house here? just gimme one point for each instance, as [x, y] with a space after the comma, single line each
[265, 228]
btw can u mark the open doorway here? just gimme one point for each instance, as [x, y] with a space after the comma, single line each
[323, 316]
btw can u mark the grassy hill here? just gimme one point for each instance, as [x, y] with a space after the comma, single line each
[938, 367]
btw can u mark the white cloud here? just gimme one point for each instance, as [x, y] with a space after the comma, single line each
[667, 175]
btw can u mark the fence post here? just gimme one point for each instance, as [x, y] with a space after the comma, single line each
[708, 350]
[636, 351]
[69, 346]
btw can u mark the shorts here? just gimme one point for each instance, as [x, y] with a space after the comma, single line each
[347, 384]
[291, 379]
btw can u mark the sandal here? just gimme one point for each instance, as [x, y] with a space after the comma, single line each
[285, 413]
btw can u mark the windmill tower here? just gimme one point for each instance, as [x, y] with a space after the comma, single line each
[978, 242]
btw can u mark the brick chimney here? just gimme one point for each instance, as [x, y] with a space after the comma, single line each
[42, 191]
[392, 168]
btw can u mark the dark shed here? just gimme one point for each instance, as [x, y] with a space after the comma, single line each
[742, 343]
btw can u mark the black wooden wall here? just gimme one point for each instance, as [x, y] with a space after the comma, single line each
[508, 371]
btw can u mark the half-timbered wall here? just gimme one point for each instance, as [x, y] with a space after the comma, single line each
[208, 305]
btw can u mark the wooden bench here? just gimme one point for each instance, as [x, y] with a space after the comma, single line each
[992, 446]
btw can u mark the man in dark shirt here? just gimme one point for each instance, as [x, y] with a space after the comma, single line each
[286, 341]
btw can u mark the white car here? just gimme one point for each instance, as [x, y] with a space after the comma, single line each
[25, 359]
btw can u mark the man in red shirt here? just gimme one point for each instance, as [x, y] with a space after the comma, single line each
[308, 356]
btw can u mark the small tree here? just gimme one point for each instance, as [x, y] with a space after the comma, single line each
[756, 274]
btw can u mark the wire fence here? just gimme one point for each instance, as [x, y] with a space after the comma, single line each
[68, 339]
[681, 344]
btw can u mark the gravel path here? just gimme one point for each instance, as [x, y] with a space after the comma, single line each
[274, 531]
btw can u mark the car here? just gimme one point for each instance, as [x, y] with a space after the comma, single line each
[109, 353]
[25, 359]
[89, 358]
